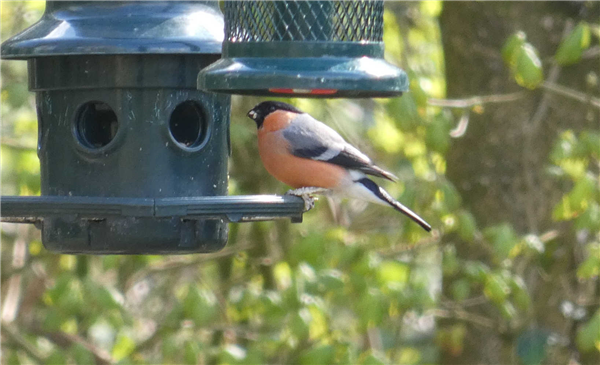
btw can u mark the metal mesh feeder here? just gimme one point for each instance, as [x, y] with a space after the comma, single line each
[133, 156]
[304, 48]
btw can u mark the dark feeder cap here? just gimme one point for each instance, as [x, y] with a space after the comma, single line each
[304, 49]
[120, 27]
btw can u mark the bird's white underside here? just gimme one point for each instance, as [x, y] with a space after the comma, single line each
[354, 189]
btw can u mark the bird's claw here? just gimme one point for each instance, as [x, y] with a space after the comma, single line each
[307, 195]
[309, 202]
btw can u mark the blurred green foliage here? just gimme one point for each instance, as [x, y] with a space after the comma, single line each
[353, 284]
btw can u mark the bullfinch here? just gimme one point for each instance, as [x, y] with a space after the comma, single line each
[311, 157]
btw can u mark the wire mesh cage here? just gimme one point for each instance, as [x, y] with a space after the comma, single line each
[306, 48]
[339, 21]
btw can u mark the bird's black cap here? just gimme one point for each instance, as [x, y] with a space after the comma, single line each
[260, 111]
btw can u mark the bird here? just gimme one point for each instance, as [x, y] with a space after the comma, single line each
[313, 158]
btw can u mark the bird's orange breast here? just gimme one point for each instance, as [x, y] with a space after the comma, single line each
[295, 171]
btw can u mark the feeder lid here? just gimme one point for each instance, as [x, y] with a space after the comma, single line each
[120, 27]
[304, 48]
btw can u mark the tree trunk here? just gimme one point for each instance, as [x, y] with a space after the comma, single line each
[500, 164]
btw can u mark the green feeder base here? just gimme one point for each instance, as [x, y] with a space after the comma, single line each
[326, 77]
[96, 225]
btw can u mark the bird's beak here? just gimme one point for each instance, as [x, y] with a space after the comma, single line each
[252, 114]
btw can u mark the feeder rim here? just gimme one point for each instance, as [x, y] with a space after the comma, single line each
[233, 208]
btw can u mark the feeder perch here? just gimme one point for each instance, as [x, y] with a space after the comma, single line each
[304, 49]
[133, 156]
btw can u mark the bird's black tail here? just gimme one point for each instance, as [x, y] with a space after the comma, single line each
[385, 196]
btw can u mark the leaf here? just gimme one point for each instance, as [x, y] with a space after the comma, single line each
[393, 272]
[283, 275]
[410, 355]
[591, 141]
[331, 280]
[451, 196]
[590, 267]
[438, 133]
[300, 323]
[404, 110]
[169, 349]
[318, 355]
[577, 200]
[123, 347]
[507, 309]
[528, 67]
[562, 211]
[431, 8]
[318, 324]
[254, 355]
[18, 93]
[81, 355]
[200, 306]
[476, 271]
[496, 289]
[511, 47]
[590, 218]
[67, 294]
[583, 191]
[520, 295]
[371, 307]
[386, 136]
[310, 249]
[466, 226]
[588, 336]
[461, 290]
[374, 359]
[56, 358]
[100, 295]
[191, 351]
[564, 147]
[53, 320]
[572, 47]
[503, 239]
[274, 311]
[456, 339]
[450, 263]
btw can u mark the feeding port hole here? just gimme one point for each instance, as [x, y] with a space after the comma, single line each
[96, 124]
[188, 125]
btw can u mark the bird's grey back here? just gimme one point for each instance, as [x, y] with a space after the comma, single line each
[307, 132]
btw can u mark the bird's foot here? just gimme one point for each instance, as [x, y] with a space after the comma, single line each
[306, 194]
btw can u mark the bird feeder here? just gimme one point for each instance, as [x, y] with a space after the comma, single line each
[133, 156]
[304, 49]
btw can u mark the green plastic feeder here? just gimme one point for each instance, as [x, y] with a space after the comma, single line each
[133, 156]
[304, 49]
